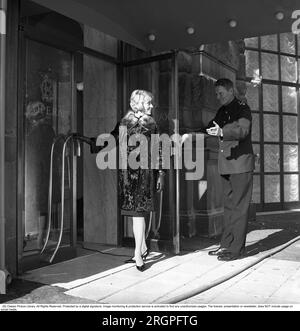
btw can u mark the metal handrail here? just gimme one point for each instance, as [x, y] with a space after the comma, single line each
[55, 141]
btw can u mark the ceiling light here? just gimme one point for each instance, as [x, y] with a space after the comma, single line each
[190, 30]
[232, 23]
[279, 16]
[151, 37]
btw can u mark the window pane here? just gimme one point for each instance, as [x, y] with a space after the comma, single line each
[288, 69]
[290, 158]
[291, 188]
[255, 127]
[251, 42]
[289, 99]
[272, 188]
[290, 129]
[256, 150]
[270, 66]
[287, 43]
[269, 42]
[256, 189]
[270, 97]
[271, 154]
[252, 96]
[271, 128]
[251, 63]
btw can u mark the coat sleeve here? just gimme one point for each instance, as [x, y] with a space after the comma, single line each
[96, 149]
[237, 130]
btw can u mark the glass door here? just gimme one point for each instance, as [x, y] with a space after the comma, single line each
[159, 76]
[46, 116]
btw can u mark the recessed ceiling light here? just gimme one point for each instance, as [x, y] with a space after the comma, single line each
[151, 37]
[279, 16]
[232, 23]
[190, 30]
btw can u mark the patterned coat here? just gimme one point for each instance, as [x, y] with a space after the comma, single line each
[137, 187]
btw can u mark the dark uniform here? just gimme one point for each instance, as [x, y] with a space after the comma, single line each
[236, 165]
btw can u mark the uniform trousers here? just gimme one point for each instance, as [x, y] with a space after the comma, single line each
[237, 190]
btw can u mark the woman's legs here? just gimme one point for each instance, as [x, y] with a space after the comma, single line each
[139, 237]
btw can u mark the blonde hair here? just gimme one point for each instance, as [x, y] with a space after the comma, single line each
[137, 97]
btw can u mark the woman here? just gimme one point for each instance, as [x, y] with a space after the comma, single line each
[137, 186]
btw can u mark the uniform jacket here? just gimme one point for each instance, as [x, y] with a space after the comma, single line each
[235, 148]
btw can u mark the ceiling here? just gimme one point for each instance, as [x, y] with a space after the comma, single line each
[133, 20]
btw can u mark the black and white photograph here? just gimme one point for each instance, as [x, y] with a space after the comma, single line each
[149, 158]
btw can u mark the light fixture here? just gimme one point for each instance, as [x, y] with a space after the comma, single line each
[151, 37]
[279, 16]
[79, 86]
[190, 30]
[232, 23]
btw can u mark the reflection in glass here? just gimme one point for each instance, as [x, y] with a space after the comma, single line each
[251, 63]
[256, 150]
[255, 127]
[291, 188]
[271, 128]
[47, 113]
[289, 99]
[269, 42]
[251, 42]
[288, 69]
[256, 189]
[252, 96]
[270, 66]
[270, 97]
[290, 129]
[272, 188]
[290, 158]
[287, 43]
[272, 157]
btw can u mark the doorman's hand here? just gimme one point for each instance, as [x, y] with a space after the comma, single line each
[215, 130]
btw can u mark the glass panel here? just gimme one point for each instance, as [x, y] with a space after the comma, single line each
[290, 158]
[252, 96]
[288, 69]
[47, 111]
[256, 189]
[272, 157]
[272, 188]
[271, 128]
[255, 127]
[290, 129]
[291, 188]
[256, 150]
[251, 42]
[251, 63]
[269, 42]
[270, 66]
[287, 43]
[270, 97]
[289, 99]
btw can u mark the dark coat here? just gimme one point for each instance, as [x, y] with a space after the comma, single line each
[137, 187]
[235, 148]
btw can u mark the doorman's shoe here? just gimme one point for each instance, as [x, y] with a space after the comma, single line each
[218, 252]
[229, 257]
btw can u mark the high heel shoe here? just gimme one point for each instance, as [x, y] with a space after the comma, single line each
[144, 256]
[141, 268]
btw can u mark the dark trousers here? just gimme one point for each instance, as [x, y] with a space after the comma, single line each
[237, 196]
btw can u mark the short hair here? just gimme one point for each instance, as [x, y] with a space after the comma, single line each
[137, 97]
[225, 82]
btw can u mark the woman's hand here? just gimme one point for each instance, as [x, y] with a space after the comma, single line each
[160, 181]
